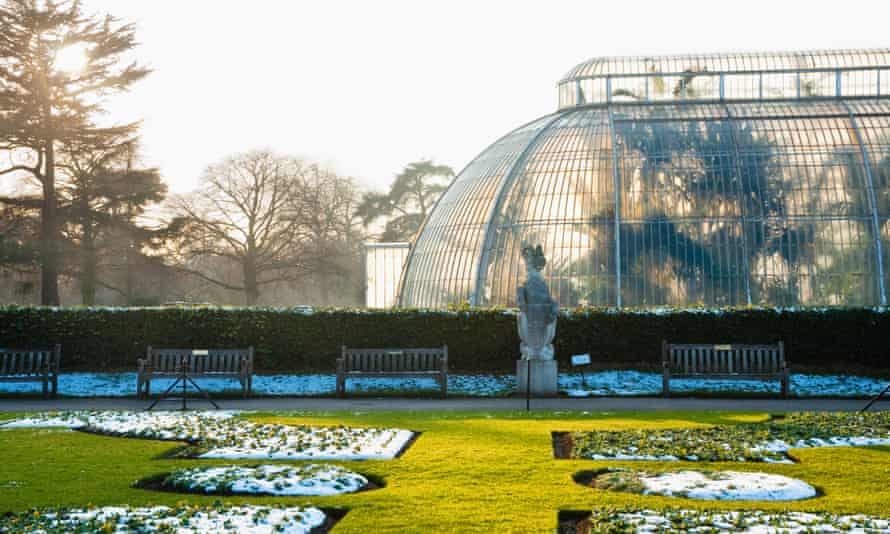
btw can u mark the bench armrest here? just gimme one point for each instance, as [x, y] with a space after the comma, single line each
[341, 365]
[142, 365]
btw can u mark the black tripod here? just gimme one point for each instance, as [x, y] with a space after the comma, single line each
[182, 380]
[876, 399]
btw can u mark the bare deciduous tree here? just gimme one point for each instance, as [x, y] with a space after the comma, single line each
[244, 213]
[326, 205]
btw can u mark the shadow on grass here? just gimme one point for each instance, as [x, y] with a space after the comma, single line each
[573, 522]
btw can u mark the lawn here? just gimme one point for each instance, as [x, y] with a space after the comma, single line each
[468, 472]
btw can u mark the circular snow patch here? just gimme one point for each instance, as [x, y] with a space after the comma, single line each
[286, 480]
[708, 485]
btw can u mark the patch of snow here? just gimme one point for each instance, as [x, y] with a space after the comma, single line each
[620, 383]
[158, 423]
[727, 486]
[318, 444]
[775, 446]
[754, 522]
[633, 457]
[781, 446]
[247, 519]
[283, 480]
[595, 384]
[224, 436]
[124, 385]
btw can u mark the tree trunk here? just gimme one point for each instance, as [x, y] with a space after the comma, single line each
[128, 257]
[49, 233]
[251, 289]
[88, 255]
[129, 240]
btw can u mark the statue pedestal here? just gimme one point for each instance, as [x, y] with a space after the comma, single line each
[545, 377]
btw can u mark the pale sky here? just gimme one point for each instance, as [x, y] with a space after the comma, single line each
[368, 86]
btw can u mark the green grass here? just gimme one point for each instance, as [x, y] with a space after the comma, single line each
[468, 472]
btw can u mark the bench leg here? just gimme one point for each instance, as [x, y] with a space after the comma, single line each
[245, 386]
[55, 386]
[666, 383]
[45, 387]
[341, 385]
[443, 381]
[786, 384]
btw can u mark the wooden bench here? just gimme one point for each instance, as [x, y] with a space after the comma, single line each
[32, 365]
[742, 362]
[211, 363]
[406, 363]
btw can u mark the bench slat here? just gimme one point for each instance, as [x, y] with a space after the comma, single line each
[388, 361]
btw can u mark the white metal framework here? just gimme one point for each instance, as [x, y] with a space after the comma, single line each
[383, 267]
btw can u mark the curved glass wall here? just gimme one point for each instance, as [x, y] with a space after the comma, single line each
[783, 203]
[444, 260]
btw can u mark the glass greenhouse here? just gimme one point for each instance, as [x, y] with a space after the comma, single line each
[715, 180]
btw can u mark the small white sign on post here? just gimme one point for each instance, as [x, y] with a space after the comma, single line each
[581, 359]
[200, 352]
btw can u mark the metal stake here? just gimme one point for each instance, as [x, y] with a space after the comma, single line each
[876, 399]
[183, 379]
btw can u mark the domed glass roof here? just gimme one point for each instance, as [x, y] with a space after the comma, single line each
[695, 198]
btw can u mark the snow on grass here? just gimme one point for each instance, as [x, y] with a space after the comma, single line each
[763, 442]
[285, 480]
[637, 383]
[181, 520]
[182, 426]
[759, 522]
[595, 384]
[124, 385]
[221, 435]
[708, 485]
[277, 442]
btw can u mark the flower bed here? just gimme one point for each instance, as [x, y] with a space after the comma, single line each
[284, 480]
[705, 485]
[181, 519]
[764, 442]
[609, 521]
[222, 435]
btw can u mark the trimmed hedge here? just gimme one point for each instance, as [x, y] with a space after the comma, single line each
[291, 340]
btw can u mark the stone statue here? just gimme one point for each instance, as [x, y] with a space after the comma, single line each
[537, 309]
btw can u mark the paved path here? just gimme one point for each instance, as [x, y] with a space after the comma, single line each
[476, 404]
